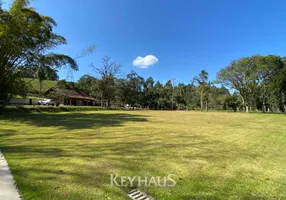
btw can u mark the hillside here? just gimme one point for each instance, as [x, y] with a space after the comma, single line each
[34, 85]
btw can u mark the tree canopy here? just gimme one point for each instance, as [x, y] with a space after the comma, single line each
[259, 80]
[26, 41]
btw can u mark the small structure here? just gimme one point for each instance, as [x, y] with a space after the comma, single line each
[72, 97]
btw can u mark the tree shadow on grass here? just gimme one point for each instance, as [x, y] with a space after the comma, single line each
[86, 160]
[89, 166]
[76, 120]
[7, 132]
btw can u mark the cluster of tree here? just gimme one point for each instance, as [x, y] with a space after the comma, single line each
[250, 83]
[111, 89]
[259, 80]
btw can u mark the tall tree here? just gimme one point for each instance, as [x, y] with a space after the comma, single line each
[25, 35]
[89, 85]
[158, 95]
[241, 75]
[107, 85]
[202, 81]
[148, 90]
[260, 81]
[272, 83]
[134, 89]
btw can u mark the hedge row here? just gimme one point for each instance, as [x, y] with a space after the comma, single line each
[30, 109]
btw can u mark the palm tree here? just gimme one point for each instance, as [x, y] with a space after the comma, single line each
[202, 81]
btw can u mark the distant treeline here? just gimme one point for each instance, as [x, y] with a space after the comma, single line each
[247, 84]
[136, 92]
[256, 83]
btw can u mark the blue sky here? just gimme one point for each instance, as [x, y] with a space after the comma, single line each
[184, 35]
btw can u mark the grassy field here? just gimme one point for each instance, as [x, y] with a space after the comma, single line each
[34, 85]
[55, 156]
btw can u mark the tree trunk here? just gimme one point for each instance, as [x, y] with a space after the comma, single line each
[202, 101]
[245, 104]
[270, 108]
[246, 108]
[263, 106]
[101, 99]
[283, 102]
[207, 106]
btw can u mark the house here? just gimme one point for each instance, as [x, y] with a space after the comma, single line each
[71, 97]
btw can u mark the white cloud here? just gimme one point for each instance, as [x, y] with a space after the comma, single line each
[145, 62]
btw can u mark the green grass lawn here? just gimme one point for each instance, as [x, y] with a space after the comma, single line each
[55, 156]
